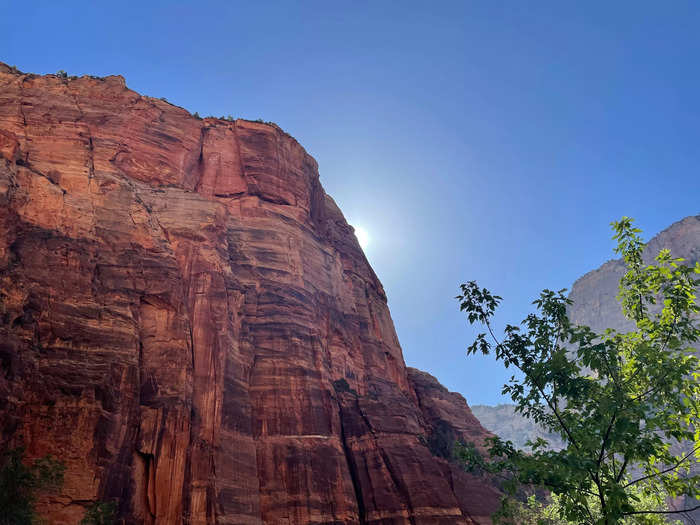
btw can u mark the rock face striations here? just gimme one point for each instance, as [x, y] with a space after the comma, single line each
[189, 324]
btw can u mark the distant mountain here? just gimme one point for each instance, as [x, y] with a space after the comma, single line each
[504, 422]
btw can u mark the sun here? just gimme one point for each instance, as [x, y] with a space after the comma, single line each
[362, 237]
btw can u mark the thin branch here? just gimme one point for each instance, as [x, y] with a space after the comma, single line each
[588, 510]
[659, 382]
[669, 469]
[661, 511]
[622, 470]
[544, 396]
[488, 325]
[605, 439]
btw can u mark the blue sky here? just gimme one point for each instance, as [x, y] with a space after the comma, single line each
[472, 140]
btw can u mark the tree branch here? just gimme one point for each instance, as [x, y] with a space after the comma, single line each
[622, 470]
[605, 439]
[661, 511]
[671, 468]
[544, 396]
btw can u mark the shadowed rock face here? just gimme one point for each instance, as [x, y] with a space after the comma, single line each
[189, 324]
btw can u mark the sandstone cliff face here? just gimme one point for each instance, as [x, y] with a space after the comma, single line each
[189, 324]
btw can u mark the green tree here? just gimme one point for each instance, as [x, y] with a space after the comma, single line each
[535, 512]
[20, 483]
[100, 513]
[619, 400]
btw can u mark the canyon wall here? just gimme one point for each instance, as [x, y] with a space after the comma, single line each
[188, 323]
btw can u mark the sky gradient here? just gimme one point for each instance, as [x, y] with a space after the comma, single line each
[492, 141]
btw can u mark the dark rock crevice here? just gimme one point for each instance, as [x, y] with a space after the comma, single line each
[352, 468]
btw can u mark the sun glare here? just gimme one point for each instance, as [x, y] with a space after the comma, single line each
[362, 237]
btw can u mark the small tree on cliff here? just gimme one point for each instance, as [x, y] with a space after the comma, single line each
[20, 483]
[619, 400]
[100, 513]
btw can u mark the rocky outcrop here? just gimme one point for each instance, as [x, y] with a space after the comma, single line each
[189, 324]
[450, 420]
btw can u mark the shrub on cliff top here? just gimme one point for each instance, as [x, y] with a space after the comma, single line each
[341, 385]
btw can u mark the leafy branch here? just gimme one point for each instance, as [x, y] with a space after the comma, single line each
[617, 399]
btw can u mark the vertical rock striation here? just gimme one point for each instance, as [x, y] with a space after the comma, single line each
[189, 324]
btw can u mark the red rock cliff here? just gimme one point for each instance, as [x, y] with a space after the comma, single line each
[189, 324]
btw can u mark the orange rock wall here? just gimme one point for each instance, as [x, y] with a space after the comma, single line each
[189, 324]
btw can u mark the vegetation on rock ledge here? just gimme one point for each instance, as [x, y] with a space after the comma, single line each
[20, 484]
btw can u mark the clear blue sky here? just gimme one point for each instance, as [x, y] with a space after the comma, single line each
[473, 140]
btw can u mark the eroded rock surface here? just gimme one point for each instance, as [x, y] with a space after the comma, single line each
[189, 324]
